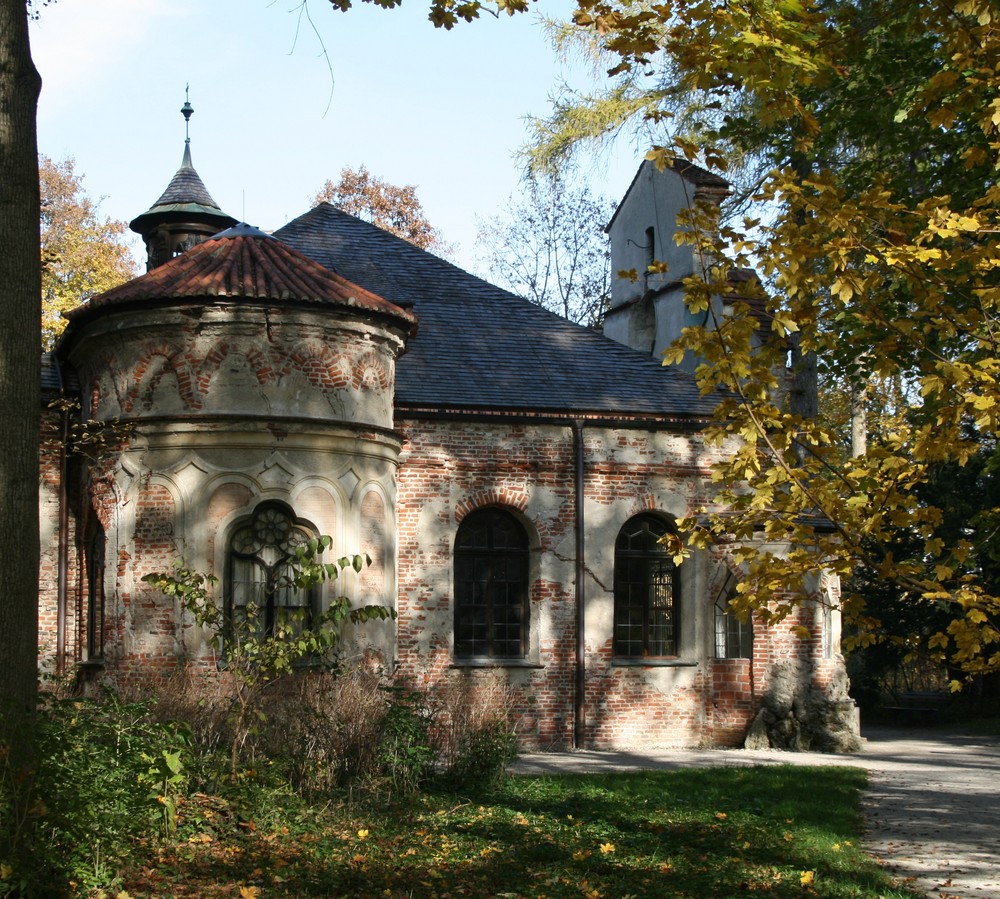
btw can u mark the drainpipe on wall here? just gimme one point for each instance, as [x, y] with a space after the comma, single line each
[63, 551]
[580, 708]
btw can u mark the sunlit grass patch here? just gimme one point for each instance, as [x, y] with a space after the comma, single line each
[770, 831]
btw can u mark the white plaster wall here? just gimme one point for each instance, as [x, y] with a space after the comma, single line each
[649, 313]
[318, 473]
[653, 201]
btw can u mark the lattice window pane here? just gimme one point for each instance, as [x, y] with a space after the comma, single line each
[733, 635]
[646, 619]
[490, 586]
[259, 575]
[661, 609]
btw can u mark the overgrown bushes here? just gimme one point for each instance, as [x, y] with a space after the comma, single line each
[279, 721]
[106, 773]
[358, 730]
[111, 772]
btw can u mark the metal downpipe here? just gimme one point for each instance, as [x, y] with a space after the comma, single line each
[580, 705]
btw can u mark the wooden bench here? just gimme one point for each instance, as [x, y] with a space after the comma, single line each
[916, 707]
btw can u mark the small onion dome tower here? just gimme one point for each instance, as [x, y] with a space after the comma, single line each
[184, 215]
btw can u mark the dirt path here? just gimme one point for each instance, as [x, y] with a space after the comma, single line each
[933, 805]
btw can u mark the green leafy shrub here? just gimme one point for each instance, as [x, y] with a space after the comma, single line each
[405, 755]
[106, 774]
[484, 756]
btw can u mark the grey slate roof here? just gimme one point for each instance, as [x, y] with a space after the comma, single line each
[186, 195]
[57, 378]
[479, 347]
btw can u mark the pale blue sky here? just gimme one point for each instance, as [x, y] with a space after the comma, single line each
[416, 105]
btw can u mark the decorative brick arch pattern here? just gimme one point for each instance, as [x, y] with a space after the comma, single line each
[268, 363]
[208, 366]
[156, 362]
[193, 366]
[646, 502]
[107, 380]
[370, 373]
[135, 384]
[323, 367]
[511, 497]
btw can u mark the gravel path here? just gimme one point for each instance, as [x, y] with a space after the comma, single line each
[932, 807]
[933, 810]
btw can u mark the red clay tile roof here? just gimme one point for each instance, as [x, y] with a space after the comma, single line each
[242, 263]
[697, 175]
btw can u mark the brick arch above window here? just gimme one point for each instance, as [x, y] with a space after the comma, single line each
[645, 502]
[510, 497]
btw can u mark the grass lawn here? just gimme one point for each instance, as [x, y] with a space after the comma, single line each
[768, 831]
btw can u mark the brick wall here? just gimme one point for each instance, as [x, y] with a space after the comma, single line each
[449, 469]
[182, 482]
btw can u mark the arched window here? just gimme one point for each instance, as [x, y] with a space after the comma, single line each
[258, 570]
[733, 634]
[647, 620]
[491, 586]
[93, 570]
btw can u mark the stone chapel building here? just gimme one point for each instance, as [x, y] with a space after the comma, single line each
[511, 474]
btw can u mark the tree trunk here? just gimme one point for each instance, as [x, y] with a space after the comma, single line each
[20, 368]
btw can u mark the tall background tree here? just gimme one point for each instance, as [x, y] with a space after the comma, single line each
[550, 247]
[394, 209]
[872, 129]
[82, 254]
[866, 136]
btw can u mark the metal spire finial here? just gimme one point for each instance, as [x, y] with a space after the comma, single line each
[186, 111]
